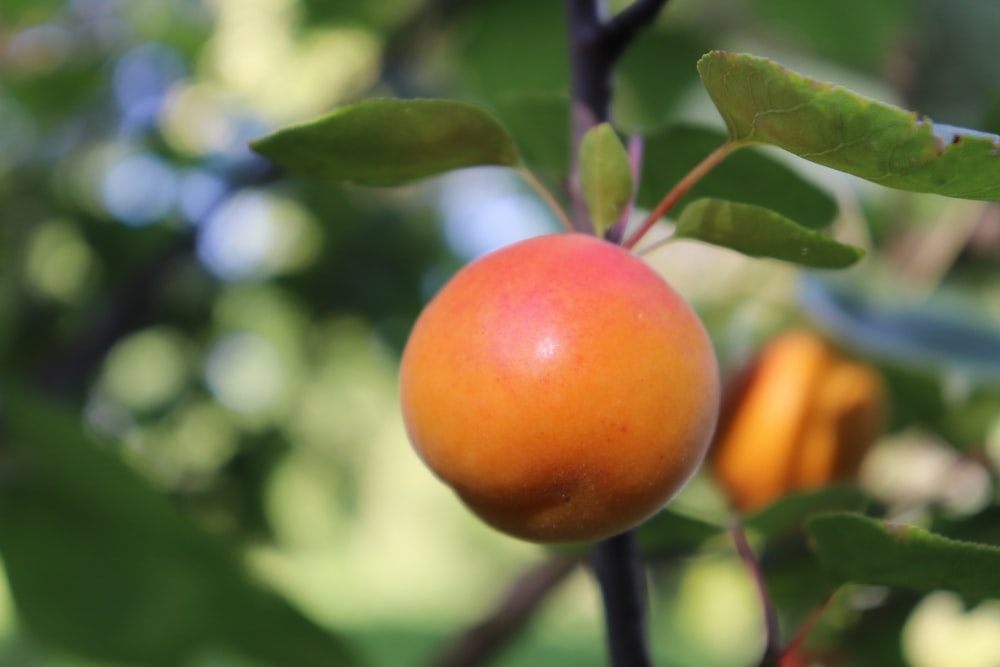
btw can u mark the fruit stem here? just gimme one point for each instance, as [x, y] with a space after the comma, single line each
[772, 646]
[547, 197]
[679, 190]
[622, 580]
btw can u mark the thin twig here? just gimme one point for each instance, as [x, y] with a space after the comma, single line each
[619, 31]
[772, 646]
[547, 197]
[485, 639]
[794, 646]
[597, 46]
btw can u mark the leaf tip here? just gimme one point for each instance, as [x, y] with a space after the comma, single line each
[258, 145]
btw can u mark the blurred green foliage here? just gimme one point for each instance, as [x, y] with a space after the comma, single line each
[201, 461]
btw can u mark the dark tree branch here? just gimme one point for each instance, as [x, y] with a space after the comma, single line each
[590, 90]
[595, 48]
[622, 580]
[619, 31]
[484, 640]
[591, 67]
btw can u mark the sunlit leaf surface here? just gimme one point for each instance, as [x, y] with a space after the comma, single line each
[763, 102]
[390, 141]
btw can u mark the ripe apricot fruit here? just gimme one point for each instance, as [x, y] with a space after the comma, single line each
[561, 387]
[802, 416]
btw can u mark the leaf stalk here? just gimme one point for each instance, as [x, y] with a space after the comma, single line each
[679, 190]
[772, 646]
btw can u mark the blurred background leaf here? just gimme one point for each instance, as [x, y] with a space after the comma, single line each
[654, 76]
[670, 534]
[100, 564]
[791, 512]
[856, 33]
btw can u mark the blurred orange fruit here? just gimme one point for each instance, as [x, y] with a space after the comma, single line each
[801, 417]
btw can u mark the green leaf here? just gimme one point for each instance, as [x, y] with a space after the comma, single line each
[653, 77]
[790, 513]
[390, 141]
[860, 33]
[507, 46]
[669, 533]
[865, 551]
[747, 175]
[540, 124]
[982, 527]
[760, 232]
[101, 565]
[762, 102]
[955, 74]
[605, 176]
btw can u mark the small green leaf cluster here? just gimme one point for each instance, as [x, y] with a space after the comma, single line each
[751, 205]
[847, 547]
